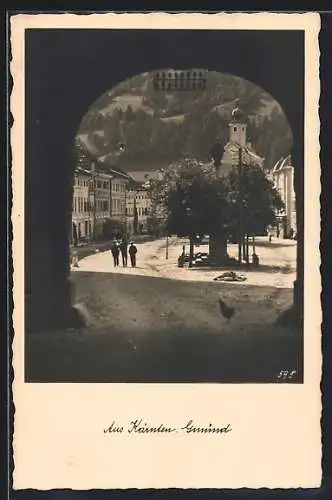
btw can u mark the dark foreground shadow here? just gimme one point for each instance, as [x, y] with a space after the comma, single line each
[184, 357]
[153, 330]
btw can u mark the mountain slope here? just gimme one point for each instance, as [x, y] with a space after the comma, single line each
[158, 127]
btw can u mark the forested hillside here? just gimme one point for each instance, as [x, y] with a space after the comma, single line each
[158, 127]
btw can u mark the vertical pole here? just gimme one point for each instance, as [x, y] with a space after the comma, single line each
[166, 247]
[125, 212]
[191, 251]
[94, 205]
[240, 236]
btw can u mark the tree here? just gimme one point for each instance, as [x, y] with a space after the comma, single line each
[259, 199]
[192, 202]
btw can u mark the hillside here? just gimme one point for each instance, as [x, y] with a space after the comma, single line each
[158, 127]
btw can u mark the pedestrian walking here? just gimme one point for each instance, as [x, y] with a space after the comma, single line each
[124, 252]
[132, 253]
[115, 253]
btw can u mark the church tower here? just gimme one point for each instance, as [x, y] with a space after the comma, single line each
[238, 127]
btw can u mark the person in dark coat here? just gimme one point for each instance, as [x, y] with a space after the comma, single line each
[124, 252]
[115, 252]
[132, 253]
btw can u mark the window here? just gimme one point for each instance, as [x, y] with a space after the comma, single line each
[235, 129]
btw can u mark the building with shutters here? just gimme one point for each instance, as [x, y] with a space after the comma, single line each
[138, 207]
[82, 214]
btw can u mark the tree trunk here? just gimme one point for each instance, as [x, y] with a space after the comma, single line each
[218, 249]
[239, 250]
[247, 249]
[244, 247]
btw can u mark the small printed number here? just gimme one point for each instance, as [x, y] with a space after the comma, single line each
[286, 374]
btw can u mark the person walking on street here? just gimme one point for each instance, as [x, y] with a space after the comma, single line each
[124, 252]
[132, 253]
[115, 252]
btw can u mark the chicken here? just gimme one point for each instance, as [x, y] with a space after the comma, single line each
[227, 312]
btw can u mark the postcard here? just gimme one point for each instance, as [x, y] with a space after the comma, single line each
[166, 230]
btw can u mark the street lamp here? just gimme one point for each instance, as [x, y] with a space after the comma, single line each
[191, 239]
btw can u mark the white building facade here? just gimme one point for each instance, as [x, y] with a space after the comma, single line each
[82, 220]
[283, 179]
[138, 208]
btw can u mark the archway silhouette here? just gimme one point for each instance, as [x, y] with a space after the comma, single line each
[74, 72]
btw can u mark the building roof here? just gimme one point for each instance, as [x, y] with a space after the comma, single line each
[115, 171]
[144, 176]
[284, 162]
[83, 171]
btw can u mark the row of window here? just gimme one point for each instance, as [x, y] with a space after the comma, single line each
[82, 205]
[102, 205]
[141, 211]
[119, 188]
[78, 181]
[118, 206]
[102, 185]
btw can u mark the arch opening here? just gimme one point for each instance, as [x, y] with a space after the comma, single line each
[133, 127]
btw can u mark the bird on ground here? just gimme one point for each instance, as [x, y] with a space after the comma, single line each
[226, 311]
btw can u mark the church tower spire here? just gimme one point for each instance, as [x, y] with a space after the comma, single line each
[238, 126]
